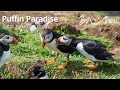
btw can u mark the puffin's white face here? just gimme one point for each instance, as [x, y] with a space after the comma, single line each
[46, 37]
[6, 40]
[33, 28]
[64, 40]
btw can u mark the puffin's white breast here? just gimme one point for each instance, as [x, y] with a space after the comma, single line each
[33, 28]
[5, 57]
[45, 77]
[53, 46]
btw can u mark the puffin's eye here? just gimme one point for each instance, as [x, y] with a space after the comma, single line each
[7, 37]
[47, 36]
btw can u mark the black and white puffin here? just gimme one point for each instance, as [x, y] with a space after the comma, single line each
[39, 70]
[49, 38]
[5, 48]
[36, 26]
[33, 28]
[91, 49]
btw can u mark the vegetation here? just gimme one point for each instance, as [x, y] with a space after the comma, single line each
[29, 51]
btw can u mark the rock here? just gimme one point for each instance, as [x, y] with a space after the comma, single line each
[110, 31]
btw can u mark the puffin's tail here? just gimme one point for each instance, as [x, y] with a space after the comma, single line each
[113, 59]
[110, 57]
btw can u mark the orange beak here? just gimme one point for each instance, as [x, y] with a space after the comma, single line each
[15, 41]
[43, 44]
[45, 61]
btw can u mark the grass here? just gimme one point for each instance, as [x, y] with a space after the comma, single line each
[29, 51]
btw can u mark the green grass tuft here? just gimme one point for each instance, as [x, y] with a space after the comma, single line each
[29, 51]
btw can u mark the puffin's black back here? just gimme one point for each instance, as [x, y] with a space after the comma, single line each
[1, 51]
[75, 41]
[55, 35]
[66, 49]
[94, 48]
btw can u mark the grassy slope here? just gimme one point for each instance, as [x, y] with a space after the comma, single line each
[29, 51]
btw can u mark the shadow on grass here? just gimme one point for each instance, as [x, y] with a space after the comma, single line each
[107, 68]
[74, 66]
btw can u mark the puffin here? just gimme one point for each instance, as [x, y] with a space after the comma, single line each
[91, 49]
[5, 40]
[35, 26]
[39, 70]
[49, 38]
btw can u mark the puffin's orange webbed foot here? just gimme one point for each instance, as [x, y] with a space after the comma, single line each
[62, 66]
[87, 61]
[51, 61]
[91, 66]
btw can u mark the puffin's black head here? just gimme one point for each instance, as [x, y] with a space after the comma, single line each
[40, 63]
[64, 40]
[34, 24]
[39, 68]
[42, 23]
[46, 36]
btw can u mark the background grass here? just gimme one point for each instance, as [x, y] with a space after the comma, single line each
[29, 51]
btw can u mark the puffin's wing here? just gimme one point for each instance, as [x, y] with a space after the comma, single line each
[93, 47]
[1, 51]
[66, 49]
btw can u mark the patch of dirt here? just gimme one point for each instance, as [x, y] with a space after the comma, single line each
[14, 69]
[69, 26]
[116, 51]
[110, 31]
